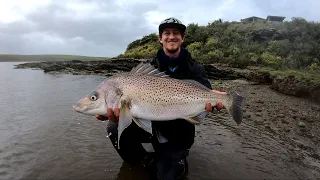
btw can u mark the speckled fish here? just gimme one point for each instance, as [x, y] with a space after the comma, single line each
[145, 94]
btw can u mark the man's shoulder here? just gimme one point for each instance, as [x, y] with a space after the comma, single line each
[192, 63]
[154, 60]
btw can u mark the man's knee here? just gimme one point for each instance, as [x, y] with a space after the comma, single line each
[172, 165]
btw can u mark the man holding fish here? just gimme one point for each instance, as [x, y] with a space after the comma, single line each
[164, 116]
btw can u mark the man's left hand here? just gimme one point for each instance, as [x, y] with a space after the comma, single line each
[218, 106]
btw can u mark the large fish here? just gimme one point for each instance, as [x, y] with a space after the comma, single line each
[145, 94]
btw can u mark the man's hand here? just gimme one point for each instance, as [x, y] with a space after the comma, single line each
[218, 106]
[111, 115]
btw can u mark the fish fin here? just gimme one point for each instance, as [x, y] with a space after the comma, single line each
[144, 124]
[197, 119]
[135, 69]
[147, 68]
[194, 82]
[235, 109]
[192, 121]
[125, 119]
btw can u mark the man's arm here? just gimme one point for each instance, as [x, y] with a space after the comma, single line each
[199, 74]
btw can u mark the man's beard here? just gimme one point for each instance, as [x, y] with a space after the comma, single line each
[172, 51]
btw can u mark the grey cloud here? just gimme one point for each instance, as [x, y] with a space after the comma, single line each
[111, 27]
[107, 33]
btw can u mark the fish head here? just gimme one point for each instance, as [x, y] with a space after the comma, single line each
[92, 104]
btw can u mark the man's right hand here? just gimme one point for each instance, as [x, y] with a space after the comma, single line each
[111, 115]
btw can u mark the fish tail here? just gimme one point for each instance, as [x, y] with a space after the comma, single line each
[235, 109]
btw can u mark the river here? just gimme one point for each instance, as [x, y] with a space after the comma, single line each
[41, 137]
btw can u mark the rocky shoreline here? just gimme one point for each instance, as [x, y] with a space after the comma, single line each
[287, 85]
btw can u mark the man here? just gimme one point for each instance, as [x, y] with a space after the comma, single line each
[171, 140]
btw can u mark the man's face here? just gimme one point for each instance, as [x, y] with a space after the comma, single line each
[171, 39]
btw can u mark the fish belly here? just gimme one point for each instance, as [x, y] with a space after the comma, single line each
[166, 113]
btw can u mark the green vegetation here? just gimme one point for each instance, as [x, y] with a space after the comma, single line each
[291, 44]
[306, 75]
[47, 57]
[145, 47]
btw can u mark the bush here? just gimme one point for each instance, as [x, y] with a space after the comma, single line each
[292, 44]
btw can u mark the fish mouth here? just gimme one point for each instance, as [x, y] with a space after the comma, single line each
[75, 108]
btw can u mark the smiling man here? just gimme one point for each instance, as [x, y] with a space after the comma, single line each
[171, 140]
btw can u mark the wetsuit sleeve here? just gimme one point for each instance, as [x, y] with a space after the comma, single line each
[199, 75]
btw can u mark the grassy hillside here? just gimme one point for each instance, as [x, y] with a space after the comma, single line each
[293, 44]
[29, 58]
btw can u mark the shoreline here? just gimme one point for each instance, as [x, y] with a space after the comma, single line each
[288, 85]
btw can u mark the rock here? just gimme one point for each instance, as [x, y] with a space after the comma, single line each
[291, 86]
[293, 110]
[310, 120]
[285, 121]
[281, 115]
[247, 116]
[259, 77]
[220, 73]
[259, 101]
[316, 156]
[286, 129]
[315, 108]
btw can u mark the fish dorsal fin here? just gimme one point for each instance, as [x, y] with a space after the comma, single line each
[147, 68]
[197, 84]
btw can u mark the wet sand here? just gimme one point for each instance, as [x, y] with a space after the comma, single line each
[278, 139]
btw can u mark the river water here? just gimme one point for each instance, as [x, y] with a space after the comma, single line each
[41, 137]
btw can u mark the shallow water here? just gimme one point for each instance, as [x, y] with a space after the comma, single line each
[42, 138]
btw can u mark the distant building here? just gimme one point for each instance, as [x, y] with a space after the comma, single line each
[275, 18]
[269, 19]
[252, 19]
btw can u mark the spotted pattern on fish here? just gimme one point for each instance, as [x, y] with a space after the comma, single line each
[157, 96]
[144, 94]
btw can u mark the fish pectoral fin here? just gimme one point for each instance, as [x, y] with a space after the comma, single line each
[144, 124]
[198, 118]
[125, 119]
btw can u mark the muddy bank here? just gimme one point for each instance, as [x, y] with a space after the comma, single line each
[279, 137]
[287, 85]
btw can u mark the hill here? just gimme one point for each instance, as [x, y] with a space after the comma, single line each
[46, 57]
[291, 44]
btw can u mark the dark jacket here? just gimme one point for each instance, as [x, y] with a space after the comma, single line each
[180, 132]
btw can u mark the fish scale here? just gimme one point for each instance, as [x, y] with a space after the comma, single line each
[145, 94]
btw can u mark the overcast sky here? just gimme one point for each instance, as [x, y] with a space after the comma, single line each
[105, 27]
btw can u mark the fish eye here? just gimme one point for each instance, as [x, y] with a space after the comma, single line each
[93, 97]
